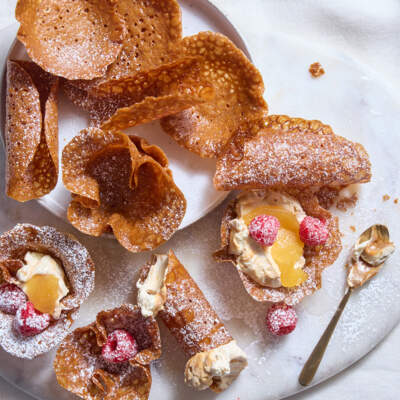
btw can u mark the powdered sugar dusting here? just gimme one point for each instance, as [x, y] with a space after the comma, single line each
[79, 271]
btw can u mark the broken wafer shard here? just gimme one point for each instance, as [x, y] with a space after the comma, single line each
[291, 153]
[122, 184]
[81, 369]
[31, 133]
[75, 39]
[167, 289]
[207, 127]
[316, 258]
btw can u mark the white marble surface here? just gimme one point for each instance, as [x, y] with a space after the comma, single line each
[361, 35]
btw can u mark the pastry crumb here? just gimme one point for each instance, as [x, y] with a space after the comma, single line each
[385, 197]
[353, 228]
[345, 203]
[395, 201]
[316, 70]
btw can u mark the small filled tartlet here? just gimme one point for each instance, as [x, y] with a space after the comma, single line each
[110, 358]
[279, 242]
[165, 288]
[45, 276]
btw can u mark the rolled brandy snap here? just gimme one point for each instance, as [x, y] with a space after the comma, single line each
[31, 133]
[123, 184]
[167, 289]
[110, 358]
[45, 276]
[291, 153]
[279, 242]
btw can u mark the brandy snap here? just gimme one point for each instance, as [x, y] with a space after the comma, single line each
[207, 127]
[86, 365]
[291, 153]
[121, 183]
[129, 101]
[55, 273]
[31, 133]
[154, 30]
[75, 39]
[167, 289]
[288, 270]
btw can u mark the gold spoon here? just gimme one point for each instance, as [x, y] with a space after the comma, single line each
[371, 250]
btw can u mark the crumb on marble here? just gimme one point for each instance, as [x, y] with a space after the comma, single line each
[395, 201]
[353, 228]
[316, 70]
[385, 197]
[344, 203]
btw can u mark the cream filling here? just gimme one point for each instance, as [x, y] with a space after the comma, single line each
[42, 264]
[255, 260]
[218, 367]
[152, 291]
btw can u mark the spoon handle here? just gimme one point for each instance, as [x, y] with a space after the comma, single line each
[312, 364]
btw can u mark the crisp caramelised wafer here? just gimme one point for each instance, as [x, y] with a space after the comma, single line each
[207, 127]
[31, 133]
[146, 96]
[122, 183]
[75, 39]
[291, 153]
[166, 288]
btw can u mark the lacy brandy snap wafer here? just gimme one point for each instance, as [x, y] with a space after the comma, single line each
[167, 289]
[31, 133]
[75, 39]
[206, 128]
[123, 184]
[129, 101]
[45, 276]
[291, 152]
[154, 30]
[110, 358]
[290, 267]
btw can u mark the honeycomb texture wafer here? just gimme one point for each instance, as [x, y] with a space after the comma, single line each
[79, 271]
[317, 258]
[206, 128]
[122, 183]
[154, 29]
[187, 313]
[291, 152]
[129, 101]
[80, 368]
[31, 133]
[75, 39]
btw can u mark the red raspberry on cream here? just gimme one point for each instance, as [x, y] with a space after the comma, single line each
[11, 298]
[313, 231]
[30, 322]
[120, 347]
[264, 229]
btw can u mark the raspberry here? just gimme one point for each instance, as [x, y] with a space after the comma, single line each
[313, 231]
[120, 347]
[30, 322]
[264, 229]
[281, 319]
[11, 298]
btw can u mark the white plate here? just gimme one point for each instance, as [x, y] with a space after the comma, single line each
[192, 174]
[357, 105]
